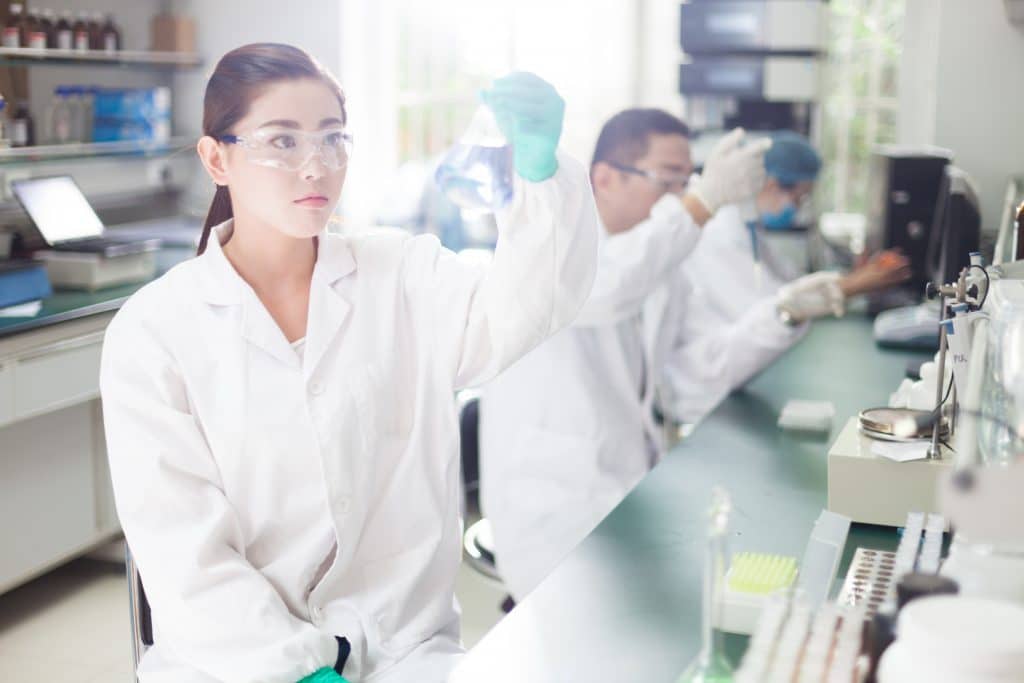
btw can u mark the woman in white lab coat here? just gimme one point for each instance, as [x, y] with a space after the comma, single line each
[279, 410]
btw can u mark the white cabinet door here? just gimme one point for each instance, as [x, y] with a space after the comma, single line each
[6, 392]
[47, 491]
[57, 375]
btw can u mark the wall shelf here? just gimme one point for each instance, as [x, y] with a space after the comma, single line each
[88, 150]
[26, 56]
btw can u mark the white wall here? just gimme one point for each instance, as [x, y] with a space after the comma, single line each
[961, 88]
[659, 56]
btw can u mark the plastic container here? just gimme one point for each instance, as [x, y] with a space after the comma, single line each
[951, 639]
[88, 98]
[57, 119]
[76, 113]
[476, 174]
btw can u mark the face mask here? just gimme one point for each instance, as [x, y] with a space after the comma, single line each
[780, 220]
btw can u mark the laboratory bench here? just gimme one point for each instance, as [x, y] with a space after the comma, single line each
[625, 604]
[55, 495]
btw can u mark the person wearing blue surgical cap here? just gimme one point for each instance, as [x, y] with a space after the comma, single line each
[792, 166]
[734, 268]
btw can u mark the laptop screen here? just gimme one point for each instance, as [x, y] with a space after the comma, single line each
[58, 208]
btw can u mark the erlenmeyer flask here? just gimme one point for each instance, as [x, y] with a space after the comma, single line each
[711, 666]
[476, 174]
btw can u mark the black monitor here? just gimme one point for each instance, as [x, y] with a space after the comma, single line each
[956, 228]
[903, 187]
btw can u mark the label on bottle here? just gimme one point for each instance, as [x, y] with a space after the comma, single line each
[110, 43]
[82, 40]
[19, 133]
[37, 40]
[65, 39]
[12, 37]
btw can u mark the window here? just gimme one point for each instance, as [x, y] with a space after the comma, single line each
[412, 71]
[860, 101]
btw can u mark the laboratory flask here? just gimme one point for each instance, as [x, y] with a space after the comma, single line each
[476, 173]
[711, 665]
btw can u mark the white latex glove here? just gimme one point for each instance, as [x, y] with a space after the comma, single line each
[811, 296]
[733, 172]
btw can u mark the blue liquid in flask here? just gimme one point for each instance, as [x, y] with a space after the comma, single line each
[476, 174]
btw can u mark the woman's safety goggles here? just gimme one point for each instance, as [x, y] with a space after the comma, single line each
[290, 150]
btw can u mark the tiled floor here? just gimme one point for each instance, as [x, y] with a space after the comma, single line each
[71, 625]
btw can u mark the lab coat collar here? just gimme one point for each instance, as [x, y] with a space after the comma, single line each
[220, 285]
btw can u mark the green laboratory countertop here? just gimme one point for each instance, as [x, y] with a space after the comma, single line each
[71, 305]
[625, 605]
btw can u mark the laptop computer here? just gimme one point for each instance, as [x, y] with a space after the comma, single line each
[66, 221]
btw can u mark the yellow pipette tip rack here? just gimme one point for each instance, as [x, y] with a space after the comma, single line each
[760, 573]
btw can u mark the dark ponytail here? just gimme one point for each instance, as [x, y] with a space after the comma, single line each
[240, 77]
[220, 211]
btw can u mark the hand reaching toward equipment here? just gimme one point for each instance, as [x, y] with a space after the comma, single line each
[882, 271]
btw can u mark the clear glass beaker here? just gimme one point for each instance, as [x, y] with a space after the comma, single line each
[476, 173]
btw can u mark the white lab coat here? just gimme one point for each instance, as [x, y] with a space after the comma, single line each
[568, 430]
[726, 294]
[724, 257]
[238, 469]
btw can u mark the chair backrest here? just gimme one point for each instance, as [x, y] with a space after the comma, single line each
[139, 614]
[468, 404]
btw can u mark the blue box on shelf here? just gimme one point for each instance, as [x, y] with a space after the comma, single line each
[132, 103]
[23, 281]
[137, 130]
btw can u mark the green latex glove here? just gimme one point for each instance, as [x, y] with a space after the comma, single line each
[529, 113]
[324, 675]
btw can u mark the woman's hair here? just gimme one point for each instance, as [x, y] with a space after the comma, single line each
[240, 77]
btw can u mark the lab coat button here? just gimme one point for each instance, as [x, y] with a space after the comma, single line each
[316, 388]
[317, 613]
[344, 504]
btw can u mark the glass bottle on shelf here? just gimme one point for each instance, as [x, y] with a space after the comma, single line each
[22, 126]
[111, 35]
[34, 30]
[65, 31]
[95, 25]
[48, 22]
[5, 141]
[80, 29]
[15, 27]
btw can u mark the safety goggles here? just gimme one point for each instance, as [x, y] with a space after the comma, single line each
[290, 150]
[670, 182]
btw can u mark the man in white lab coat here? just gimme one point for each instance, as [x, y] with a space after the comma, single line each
[569, 429]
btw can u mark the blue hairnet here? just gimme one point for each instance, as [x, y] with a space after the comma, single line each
[791, 158]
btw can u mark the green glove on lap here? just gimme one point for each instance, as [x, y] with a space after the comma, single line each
[324, 675]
